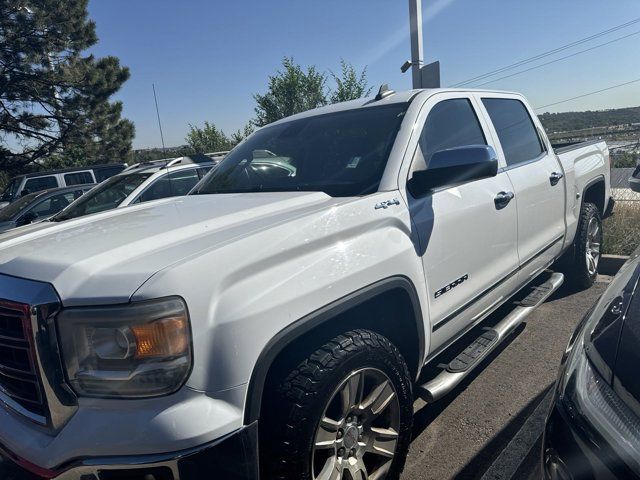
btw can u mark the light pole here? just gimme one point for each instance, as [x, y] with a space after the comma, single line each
[415, 26]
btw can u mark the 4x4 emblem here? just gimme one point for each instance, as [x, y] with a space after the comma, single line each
[387, 203]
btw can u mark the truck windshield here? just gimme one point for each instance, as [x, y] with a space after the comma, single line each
[109, 194]
[341, 154]
[10, 191]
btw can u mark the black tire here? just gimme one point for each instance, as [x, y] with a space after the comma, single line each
[293, 409]
[578, 269]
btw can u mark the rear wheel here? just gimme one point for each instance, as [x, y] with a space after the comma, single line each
[587, 247]
[344, 413]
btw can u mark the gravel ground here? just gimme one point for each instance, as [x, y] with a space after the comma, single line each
[463, 434]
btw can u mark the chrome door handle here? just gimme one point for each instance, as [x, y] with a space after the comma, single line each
[555, 177]
[502, 199]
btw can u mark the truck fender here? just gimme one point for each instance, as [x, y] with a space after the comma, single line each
[319, 317]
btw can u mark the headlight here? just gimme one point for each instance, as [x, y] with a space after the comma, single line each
[585, 393]
[136, 350]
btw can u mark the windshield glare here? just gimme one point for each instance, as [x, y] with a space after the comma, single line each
[106, 196]
[341, 154]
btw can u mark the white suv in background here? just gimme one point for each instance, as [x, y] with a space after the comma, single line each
[140, 183]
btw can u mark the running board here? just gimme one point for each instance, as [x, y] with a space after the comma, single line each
[458, 369]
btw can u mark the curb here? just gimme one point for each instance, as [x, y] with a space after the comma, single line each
[610, 264]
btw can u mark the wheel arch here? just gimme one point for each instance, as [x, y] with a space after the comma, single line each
[594, 192]
[339, 317]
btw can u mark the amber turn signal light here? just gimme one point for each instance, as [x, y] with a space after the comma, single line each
[162, 338]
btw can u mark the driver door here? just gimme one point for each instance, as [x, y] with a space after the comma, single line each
[467, 242]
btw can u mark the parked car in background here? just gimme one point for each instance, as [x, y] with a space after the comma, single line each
[214, 158]
[39, 206]
[593, 429]
[140, 183]
[36, 182]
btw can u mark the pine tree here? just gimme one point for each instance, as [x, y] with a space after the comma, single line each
[54, 101]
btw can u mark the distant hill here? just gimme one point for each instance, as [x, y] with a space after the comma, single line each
[561, 122]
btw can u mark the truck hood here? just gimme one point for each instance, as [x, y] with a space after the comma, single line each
[105, 258]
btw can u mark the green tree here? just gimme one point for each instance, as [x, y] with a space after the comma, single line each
[350, 85]
[207, 139]
[240, 134]
[291, 90]
[54, 101]
[625, 159]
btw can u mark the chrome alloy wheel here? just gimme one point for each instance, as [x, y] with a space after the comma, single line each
[357, 435]
[592, 250]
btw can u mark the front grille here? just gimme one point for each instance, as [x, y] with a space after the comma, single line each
[18, 375]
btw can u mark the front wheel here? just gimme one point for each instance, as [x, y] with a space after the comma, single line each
[343, 413]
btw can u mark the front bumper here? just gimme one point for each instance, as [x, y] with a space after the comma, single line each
[573, 450]
[232, 457]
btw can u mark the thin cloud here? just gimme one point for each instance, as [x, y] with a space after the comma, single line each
[401, 34]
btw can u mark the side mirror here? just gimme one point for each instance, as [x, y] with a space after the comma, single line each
[27, 218]
[454, 166]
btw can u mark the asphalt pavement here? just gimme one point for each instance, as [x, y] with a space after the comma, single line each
[490, 426]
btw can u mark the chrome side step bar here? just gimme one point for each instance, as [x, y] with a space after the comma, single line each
[460, 367]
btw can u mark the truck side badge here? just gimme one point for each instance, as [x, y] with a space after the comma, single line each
[452, 285]
[387, 203]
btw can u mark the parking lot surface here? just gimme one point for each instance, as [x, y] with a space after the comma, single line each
[490, 426]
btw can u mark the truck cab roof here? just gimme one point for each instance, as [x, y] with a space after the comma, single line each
[404, 96]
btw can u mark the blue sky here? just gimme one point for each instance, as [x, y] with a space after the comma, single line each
[207, 58]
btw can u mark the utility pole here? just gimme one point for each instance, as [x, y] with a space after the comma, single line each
[415, 25]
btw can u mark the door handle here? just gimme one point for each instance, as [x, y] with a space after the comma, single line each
[502, 199]
[555, 177]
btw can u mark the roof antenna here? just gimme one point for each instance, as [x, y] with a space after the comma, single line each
[155, 99]
[384, 92]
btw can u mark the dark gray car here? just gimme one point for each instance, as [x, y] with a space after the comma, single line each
[39, 206]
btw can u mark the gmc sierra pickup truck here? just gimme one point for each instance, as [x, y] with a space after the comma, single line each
[274, 323]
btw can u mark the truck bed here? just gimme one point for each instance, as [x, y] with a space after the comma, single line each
[565, 147]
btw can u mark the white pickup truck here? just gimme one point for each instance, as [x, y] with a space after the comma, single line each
[274, 323]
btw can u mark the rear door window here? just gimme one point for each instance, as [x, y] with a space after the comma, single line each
[41, 183]
[78, 178]
[161, 188]
[516, 131]
[182, 181]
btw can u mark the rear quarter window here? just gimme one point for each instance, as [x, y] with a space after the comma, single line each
[78, 178]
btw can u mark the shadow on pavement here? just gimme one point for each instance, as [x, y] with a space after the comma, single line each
[485, 457]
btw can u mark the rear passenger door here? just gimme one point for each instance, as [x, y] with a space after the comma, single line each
[468, 245]
[536, 175]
